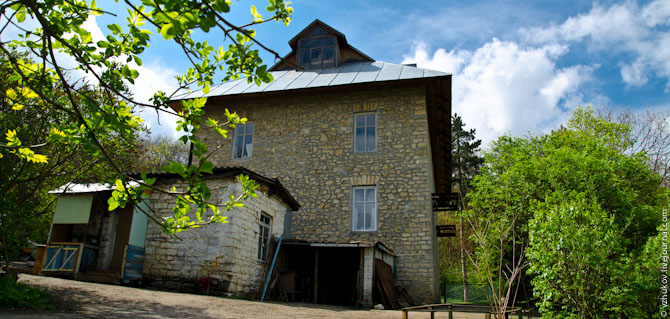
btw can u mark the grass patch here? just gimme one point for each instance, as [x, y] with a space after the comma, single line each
[19, 295]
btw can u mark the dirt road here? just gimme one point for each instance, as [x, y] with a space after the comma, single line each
[75, 299]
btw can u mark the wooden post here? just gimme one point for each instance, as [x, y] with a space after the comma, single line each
[272, 266]
[79, 255]
[316, 274]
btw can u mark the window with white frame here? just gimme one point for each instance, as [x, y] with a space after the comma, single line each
[364, 208]
[365, 132]
[264, 236]
[243, 139]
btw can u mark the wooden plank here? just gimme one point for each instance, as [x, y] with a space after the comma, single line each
[39, 259]
[79, 252]
[272, 267]
[123, 262]
[133, 264]
[266, 268]
[316, 274]
[385, 274]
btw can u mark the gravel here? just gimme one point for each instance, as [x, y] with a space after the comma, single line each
[76, 299]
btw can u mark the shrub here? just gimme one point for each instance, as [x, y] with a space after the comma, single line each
[19, 295]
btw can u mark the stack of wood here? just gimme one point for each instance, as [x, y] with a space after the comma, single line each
[392, 296]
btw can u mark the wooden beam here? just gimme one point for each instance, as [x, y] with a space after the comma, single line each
[316, 275]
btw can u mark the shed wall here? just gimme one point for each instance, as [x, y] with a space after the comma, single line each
[226, 253]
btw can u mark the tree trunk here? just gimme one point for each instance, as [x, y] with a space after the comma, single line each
[463, 262]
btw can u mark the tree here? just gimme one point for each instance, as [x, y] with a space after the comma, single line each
[650, 133]
[155, 152]
[26, 206]
[466, 162]
[498, 219]
[578, 210]
[589, 237]
[110, 64]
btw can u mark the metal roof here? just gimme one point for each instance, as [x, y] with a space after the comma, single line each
[76, 188]
[347, 73]
[275, 186]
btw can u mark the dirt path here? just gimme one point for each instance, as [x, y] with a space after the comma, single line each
[75, 299]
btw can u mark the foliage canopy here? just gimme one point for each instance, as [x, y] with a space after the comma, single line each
[43, 85]
[578, 211]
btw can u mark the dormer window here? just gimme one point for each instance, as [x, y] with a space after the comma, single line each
[317, 50]
[319, 46]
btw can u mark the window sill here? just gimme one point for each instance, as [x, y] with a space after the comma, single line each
[363, 231]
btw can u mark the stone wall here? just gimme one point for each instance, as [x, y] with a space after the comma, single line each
[306, 141]
[226, 253]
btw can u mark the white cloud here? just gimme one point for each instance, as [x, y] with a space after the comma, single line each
[153, 77]
[642, 33]
[634, 73]
[504, 88]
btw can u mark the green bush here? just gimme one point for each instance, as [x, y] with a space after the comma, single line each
[19, 295]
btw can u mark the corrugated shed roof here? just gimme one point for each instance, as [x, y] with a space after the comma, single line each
[345, 74]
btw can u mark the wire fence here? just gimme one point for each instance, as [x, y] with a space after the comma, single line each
[453, 292]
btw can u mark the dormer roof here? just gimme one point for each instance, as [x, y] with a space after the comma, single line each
[346, 53]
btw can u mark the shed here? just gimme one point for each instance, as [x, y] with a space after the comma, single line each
[88, 242]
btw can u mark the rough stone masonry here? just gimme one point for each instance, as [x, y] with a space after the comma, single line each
[226, 253]
[305, 139]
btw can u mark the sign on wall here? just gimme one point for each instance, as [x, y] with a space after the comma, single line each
[444, 201]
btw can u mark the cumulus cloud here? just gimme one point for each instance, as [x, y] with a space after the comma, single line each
[505, 88]
[153, 77]
[516, 86]
[642, 32]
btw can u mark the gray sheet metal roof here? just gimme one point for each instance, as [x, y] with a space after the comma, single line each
[76, 188]
[348, 73]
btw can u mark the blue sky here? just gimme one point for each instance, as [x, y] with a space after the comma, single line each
[518, 66]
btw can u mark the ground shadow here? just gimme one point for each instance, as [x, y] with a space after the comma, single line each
[92, 305]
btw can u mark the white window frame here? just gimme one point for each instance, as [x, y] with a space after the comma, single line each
[373, 218]
[356, 115]
[264, 241]
[236, 133]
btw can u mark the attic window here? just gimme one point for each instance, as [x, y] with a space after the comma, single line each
[317, 50]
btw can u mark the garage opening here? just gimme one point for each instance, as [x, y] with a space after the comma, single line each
[324, 275]
[327, 273]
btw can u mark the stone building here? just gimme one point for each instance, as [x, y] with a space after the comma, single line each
[232, 255]
[361, 145]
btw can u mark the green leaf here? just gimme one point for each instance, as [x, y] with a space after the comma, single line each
[167, 31]
[113, 203]
[119, 185]
[21, 16]
[114, 28]
[208, 167]
[86, 37]
[12, 139]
